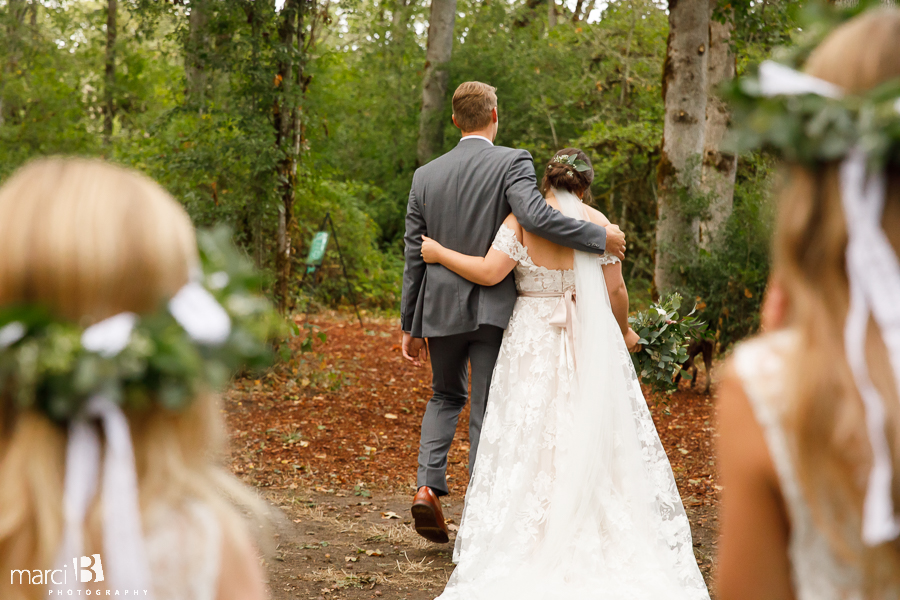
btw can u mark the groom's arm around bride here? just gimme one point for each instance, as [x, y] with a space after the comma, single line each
[460, 199]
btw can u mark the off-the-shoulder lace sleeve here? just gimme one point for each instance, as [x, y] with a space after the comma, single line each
[506, 241]
[608, 259]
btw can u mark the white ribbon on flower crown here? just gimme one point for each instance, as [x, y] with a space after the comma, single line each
[874, 276]
[127, 567]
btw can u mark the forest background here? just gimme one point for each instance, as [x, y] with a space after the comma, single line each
[266, 115]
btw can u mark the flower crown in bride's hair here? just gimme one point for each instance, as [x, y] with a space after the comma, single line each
[813, 122]
[571, 160]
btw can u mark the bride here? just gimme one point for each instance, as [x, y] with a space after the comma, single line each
[572, 495]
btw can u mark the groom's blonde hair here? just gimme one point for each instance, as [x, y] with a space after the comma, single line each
[473, 103]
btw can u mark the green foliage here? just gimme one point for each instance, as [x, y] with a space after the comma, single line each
[760, 26]
[44, 364]
[307, 344]
[665, 336]
[813, 21]
[374, 275]
[590, 83]
[729, 279]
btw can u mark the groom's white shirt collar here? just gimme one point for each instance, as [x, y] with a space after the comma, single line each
[476, 137]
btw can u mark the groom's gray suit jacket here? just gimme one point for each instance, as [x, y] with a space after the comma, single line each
[460, 200]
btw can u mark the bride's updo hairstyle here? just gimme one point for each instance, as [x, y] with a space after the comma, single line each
[564, 176]
[825, 411]
[88, 240]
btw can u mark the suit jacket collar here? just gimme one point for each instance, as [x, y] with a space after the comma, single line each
[476, 138]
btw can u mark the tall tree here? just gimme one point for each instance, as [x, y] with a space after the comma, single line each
[15, 17]
[627, 59]
[195, 63]
[719, 169]
[109, 109]
[287, 141]
[399, 17]
[437, 76]
[684, 90]
[576, 14]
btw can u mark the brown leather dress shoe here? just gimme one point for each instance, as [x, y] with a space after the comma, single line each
[426, 511]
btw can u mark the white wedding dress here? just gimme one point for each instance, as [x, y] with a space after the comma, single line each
[572, 495]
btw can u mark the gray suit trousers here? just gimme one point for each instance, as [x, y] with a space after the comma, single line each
[450, 357]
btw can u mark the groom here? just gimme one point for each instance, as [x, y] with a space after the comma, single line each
[460, 199]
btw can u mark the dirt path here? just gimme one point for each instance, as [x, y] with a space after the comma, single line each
[330, 439]
[345, 547]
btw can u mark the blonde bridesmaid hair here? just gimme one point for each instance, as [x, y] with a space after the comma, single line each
[88, 240]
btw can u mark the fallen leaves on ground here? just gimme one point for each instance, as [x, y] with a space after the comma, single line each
[344, 419]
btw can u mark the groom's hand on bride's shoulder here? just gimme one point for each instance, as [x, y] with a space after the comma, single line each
[615, 241]
[414, 350]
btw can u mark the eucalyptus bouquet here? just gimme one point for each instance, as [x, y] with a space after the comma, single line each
[665, 336]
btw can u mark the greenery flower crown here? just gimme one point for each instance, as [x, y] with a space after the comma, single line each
[44, 363]
[812, 129]
[573, 161]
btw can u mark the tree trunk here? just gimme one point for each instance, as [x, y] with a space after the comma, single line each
[437, 76]
[576, 15]
[285, 139]
[197, 46]
[627, 75]
[399, 27]
[684, 94]
[719, 169]
[551, 13]
[399, 18]
[109, 112]
[16, 10]
[589, 9]
[259, 249]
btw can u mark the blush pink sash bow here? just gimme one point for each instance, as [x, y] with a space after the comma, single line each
[563, 316]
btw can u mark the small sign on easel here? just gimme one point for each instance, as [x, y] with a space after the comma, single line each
[316, 257]
[316, 251]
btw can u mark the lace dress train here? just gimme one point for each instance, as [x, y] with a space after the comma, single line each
[542, 520]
